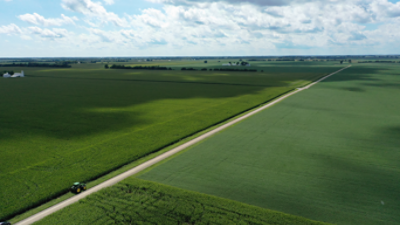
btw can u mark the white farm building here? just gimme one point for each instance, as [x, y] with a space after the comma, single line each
[6, 75]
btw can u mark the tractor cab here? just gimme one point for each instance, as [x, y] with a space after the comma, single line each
[77, 188]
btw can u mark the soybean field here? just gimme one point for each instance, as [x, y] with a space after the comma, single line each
[329, 153]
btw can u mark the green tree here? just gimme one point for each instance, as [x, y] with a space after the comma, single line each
[106, 66]
[205, 61]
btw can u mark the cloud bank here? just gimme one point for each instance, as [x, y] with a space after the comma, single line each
[208, 27]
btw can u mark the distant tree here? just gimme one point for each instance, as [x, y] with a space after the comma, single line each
[106, 66]
[240, 59]
[238, 63]
[349, 60]
[205, 61]
[341, 62]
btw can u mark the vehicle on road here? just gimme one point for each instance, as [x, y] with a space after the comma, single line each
[5, 223]
[77, 188]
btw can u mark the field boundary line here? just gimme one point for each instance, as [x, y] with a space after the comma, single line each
[161, 157]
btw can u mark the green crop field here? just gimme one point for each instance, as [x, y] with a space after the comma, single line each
[58, 126]
[330, 153]
[136, 201]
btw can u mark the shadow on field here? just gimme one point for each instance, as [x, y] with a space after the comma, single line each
[383, 85]
[371, 191]
[169, 81]
[68, 108]
[356, 74]
[369, 186]
[70, 105]
[353, 89]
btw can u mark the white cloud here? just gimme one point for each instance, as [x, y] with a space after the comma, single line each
[224, 27]
[10, 29]
[385, 9]
[313, 23]
[94, 11]
[254, 2]
[37, 19]
[55, 33]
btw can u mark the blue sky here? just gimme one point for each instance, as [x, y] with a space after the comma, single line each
[69, 28]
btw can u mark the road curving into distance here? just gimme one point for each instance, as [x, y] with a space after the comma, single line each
[151, 162]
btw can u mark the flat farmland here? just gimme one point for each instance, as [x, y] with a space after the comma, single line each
[59, 126]
[135, 201]
[329, 153]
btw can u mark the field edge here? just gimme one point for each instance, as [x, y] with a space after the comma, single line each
[177, 195]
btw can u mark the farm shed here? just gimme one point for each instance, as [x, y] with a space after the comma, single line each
[19, 74]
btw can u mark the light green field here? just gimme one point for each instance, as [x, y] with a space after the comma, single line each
[136, 201]
[330, 153]
[59, 126]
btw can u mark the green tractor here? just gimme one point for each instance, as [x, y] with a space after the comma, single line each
[78, 187]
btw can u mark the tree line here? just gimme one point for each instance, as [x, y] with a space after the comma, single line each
[230, 69]
[377, 61]
[137, 67]
[222, 69]
[61, 65]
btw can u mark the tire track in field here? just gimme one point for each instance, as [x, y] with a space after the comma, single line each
[161, 157]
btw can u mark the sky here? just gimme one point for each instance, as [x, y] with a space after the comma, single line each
[119, 28]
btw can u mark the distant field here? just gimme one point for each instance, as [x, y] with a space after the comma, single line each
[136, 201]
[330, 153]
[59, 126]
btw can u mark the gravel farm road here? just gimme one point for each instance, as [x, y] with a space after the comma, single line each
[118, 178]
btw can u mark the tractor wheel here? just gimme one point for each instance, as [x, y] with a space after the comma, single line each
[78, 190]
[84, 188]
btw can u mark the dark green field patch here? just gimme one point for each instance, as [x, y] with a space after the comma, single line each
[329, 153]
[136, 201]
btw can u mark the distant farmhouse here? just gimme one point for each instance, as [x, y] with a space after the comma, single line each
[7, 75]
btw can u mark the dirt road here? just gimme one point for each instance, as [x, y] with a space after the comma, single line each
[159, 158]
